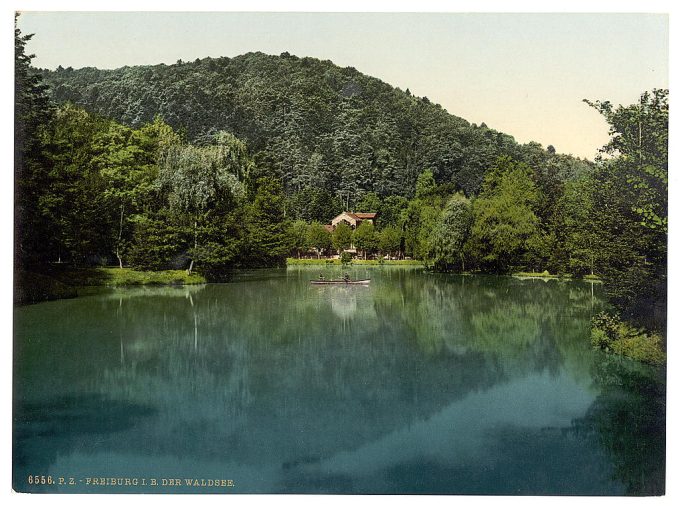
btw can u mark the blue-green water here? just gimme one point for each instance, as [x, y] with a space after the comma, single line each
[418, 383]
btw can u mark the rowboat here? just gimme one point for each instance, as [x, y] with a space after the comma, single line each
[339, 281]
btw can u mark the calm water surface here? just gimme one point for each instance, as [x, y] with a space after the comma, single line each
[419, 383]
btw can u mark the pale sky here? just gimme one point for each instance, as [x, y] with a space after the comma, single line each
[523, 74]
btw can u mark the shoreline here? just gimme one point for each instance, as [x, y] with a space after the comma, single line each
[65, 283]
[56, 283]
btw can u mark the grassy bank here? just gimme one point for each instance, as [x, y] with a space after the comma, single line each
[355, 261]
[62, 283]
[110, 276]
[547, 275]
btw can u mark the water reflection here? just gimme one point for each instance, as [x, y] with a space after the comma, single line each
[628, 421]
[288, 387]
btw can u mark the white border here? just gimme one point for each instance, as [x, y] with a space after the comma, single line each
[586, 6]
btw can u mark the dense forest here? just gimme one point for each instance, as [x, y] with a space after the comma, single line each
[330, 134]
[232, 162]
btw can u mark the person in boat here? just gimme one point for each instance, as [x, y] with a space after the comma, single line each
[321, 278]
[346, 278]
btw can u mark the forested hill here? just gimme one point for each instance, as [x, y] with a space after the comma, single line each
[313, 124]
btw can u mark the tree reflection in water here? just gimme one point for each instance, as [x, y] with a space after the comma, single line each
[628, 419]
[294, 387]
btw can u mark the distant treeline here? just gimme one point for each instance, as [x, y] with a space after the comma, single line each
[225, 163]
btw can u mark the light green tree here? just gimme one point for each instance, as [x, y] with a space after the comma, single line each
[365, 238]
[342, 237]
[389, 241]
[318, 238]
[425, 184]
[297, 236]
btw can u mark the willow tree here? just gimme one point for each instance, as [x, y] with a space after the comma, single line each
[199, 179]
[450, 234]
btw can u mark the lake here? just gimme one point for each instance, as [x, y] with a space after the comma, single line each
[417, 383]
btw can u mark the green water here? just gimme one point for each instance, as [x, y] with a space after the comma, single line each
[418, 383]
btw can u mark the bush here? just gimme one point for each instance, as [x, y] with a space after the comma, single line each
[345, 258]
[599, 339]
[610, 334]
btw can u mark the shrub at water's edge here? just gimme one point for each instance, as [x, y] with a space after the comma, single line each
[610, 334]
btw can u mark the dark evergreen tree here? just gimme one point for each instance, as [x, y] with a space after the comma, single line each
[33, 114]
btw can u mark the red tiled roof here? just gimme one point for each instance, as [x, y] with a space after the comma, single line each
[357, 216]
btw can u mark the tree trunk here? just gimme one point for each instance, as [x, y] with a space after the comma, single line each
[191, 265]
[120, 236]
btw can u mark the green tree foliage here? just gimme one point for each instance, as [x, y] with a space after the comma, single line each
[391, 211]
[425, 185]
[450, 234]
[158, 241]
[639, 139]
[342, 237]
[310, 123]
[365, 238]
[631, 203]
[421, 214]
[370, 202]
[319, 238]
[505, 223]
[202, 182]
[102, 176]
[266, 240]
[32, 117]
[127, 161]
[632, 258]
[609, 333]
[312, 204]
[389, 241]
[297, 237]
[577, 249]
[74, 201]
